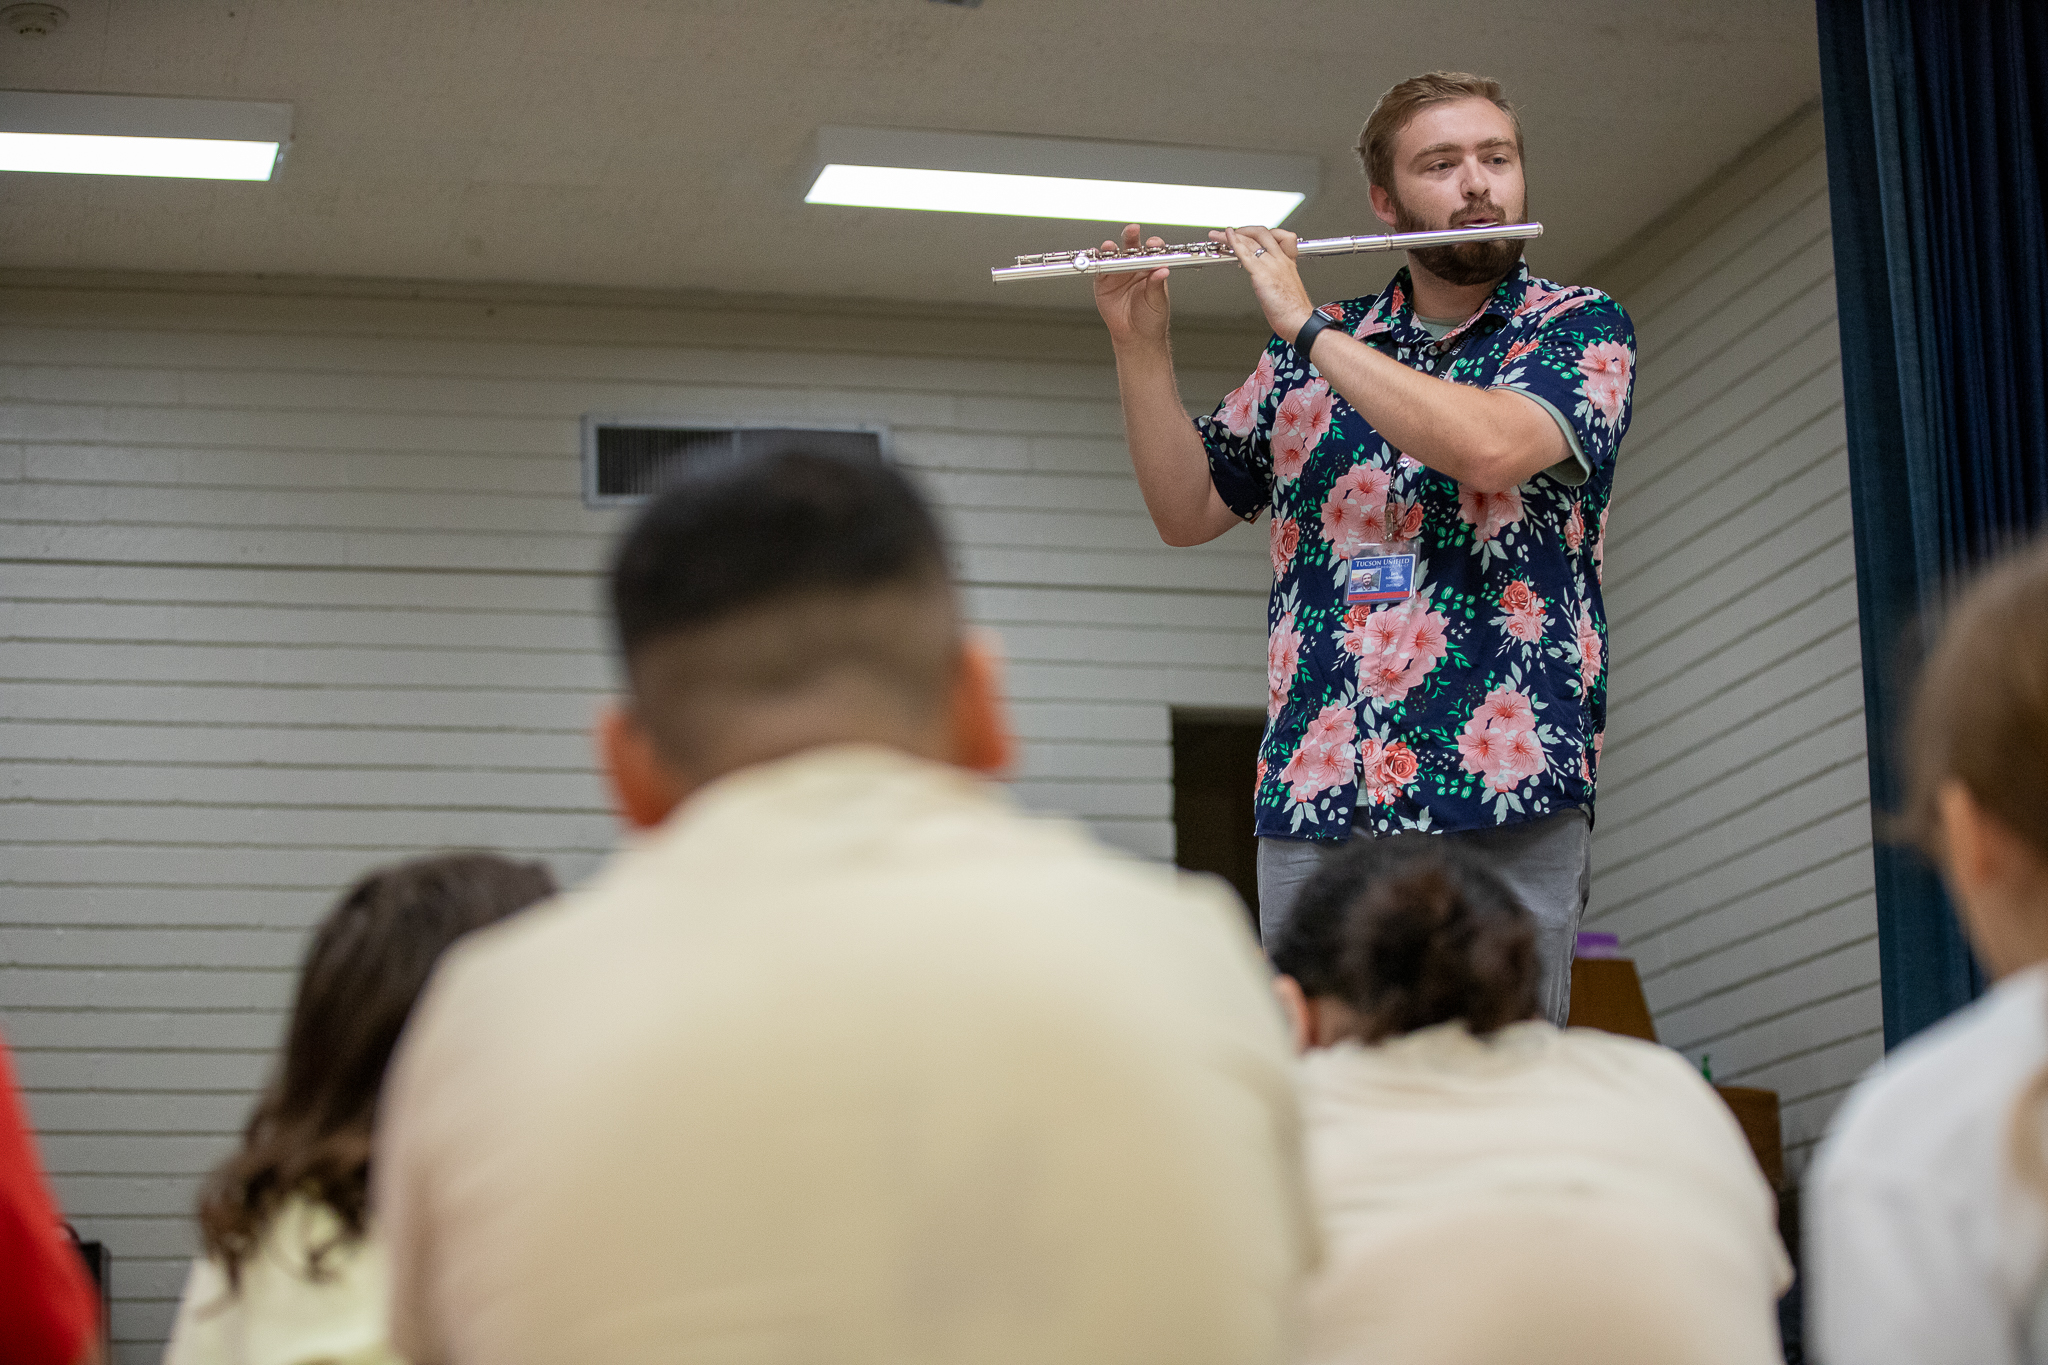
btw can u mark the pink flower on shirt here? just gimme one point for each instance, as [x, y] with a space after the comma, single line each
[1241, 409]
[1574, 529]
[1606, 365]
[1396, 646]
[1404, 520]
[1521, 759]
[1499, 742]
[1600, 550]
[1283, 658]
[1356, 510]
[1527, 626]
[1385, 770]
[1589, 651]
[1301, 422]
[1506, 709]
[1327, 757]
[1481, 749]
[1487, 513]
[1536, 297]
[1286, 540]
[1526, 617]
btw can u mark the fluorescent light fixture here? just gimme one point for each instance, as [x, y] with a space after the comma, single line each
[1108, 182]
[139, 135]
[1050, 196]
[88, 154]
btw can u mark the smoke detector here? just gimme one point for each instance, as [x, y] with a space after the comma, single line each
[33, 21]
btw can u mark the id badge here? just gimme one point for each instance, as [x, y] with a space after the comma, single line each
[1384, 573]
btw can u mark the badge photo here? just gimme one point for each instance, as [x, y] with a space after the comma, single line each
[1385, 573]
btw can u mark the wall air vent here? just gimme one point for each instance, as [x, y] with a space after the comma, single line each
[626, 461]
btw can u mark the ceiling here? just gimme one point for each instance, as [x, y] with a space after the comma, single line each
[665, 144]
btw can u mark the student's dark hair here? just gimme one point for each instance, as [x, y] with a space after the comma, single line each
[1980, 718]
[759, 577]
[1410, 931]
[734, 533]
[368, 962]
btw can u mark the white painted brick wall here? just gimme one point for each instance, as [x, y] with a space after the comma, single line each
[1732, 852]
[293, 585]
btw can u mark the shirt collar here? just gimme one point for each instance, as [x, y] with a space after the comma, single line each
[1393, 312]
[839, 794]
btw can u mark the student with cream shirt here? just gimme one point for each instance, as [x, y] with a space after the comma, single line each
[843, 1057]
[1494, 1188]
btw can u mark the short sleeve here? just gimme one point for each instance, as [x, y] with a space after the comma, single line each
[1238, 436]
[1580, 364]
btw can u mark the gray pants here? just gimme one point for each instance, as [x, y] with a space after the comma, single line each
[1547, 863]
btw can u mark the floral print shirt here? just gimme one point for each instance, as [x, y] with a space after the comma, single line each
[1479, 700]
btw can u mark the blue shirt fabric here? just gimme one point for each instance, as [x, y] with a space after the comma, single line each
[1480, 699]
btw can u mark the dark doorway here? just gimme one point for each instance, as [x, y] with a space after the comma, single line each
[1215, 757]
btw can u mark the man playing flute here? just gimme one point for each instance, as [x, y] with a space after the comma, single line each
[1437, 640]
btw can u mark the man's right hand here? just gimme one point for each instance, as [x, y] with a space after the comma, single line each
[1134, 304]
[1167, 453]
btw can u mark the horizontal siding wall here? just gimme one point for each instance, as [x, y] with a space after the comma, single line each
[297, 585]
[1732, 853]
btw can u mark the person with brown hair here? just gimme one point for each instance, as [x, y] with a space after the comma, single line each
[1436, 635]
[1929, 1223]
[292, 1271]
[1493, 1188]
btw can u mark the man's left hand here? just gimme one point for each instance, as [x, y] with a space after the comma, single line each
[1267, 255]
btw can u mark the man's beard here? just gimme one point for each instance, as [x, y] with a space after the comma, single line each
[1466, 262]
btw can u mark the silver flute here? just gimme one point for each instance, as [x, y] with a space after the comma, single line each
[1098, 261]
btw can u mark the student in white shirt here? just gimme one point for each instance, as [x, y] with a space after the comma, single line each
[1928, 1237]
[293, 1273]
[1495, 1190]
[844, 1058]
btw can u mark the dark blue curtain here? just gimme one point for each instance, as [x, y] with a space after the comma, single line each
[1937, 116]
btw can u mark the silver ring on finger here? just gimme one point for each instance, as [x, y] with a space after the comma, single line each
[1260, 252]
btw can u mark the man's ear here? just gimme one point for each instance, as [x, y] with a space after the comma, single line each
[1294, 1004]
[979, 718]
[1382, 205]
[644, 789]
[1969, 847]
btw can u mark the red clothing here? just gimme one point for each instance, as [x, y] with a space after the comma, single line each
[47, 1306]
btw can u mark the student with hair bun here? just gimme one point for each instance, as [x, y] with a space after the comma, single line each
[1929, 1228]
[1493, 1188]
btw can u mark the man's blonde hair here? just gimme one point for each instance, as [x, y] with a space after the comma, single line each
[1411, 97]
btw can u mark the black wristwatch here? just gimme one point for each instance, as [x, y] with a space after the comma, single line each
[1306, 337]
